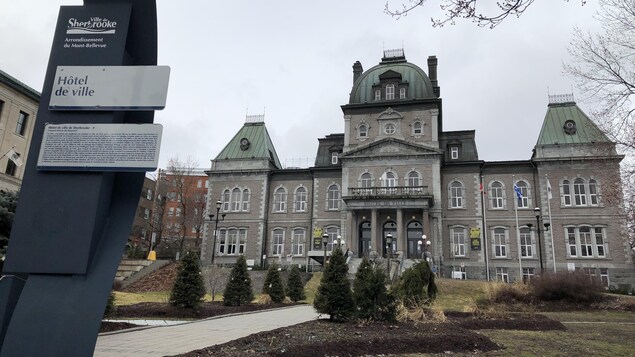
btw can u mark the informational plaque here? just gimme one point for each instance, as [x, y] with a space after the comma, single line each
[100, 147]
[109, 88]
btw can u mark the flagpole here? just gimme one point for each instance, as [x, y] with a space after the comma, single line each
[553, 243]
[5, 154]
[484, 229]
[518, 196]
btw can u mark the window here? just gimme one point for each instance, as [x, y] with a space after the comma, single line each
[236, 203]
[333, 198]
[566, 193]
[579, 192]
[390, 129]
[458, 273]
[277, 245]
[23, 120]
[454, 152]
[206, 184]
[390, 91]
[299, 200]
[246, 198]
[297, 243]
[222, 240]
[524, 191]
[199, 183]
[604, 276]
[334, 158]
[502, 275]
[500, 248]
[232, 241]
[586, 242]
[417, 128]
[226, 199]
[526, 247]
[149, 195]
[280, 200]
[178, 212]
[332, 232]
[458, 241]
[390, 179]
[366, 180]
[413, 179]
[593, 193]
[456, 194]
[402, 93]
[146, 214]
[170, 211]
[377, 94]
[528, 274]
[497, 195]
[12, 168]
[363, 131]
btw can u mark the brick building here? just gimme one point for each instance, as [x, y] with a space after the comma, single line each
[395, 174]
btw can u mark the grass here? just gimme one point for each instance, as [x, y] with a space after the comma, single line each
[123, 298]
[456, 295]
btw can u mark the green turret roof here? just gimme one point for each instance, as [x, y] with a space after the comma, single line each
[566, 123]
[260, 145]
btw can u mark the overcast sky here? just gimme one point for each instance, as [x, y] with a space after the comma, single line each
[292, 60]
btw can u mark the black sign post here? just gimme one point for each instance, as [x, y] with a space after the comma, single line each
[70, 228]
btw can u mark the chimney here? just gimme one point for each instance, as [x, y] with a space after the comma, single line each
[357, 71]
[432, 74]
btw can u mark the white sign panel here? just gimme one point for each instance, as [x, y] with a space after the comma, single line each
[100, 147]
[110, 88]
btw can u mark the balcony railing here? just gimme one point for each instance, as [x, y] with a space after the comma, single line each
[397, 191]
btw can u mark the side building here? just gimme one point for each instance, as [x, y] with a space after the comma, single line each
[395, 184]
[18, 109]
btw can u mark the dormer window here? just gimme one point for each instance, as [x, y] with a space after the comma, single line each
[417, 128]
[334, 158]
[454, 152]
[377, 94]
[390, 91]
[402, 93]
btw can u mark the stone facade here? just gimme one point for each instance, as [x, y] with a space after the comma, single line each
[395, 173]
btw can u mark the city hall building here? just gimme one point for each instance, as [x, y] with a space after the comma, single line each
[395, 184]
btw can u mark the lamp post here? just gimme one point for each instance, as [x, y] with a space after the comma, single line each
[538, 230]
[222, 218]
[325, 241]
[425, 243]
[419, 251]
[388, 251]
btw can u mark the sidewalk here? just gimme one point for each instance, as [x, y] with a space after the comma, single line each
[175, 339]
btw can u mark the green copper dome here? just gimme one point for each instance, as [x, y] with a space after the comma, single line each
[419, 84]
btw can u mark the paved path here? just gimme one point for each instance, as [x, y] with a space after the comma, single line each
[171, 340]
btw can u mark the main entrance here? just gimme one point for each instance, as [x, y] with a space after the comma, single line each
[414, 231]
[365, 244]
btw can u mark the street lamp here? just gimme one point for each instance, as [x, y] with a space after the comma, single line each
[325, 241]
[339, 242]
[425, 243]
[222, 218]
[419, 251]
[388, 251]
[538, 230]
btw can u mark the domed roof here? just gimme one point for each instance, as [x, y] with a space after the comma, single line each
[419, 84]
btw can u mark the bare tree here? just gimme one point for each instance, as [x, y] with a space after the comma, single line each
[215, 278]
[466, 9]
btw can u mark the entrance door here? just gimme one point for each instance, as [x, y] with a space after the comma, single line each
[389, 227]
[364, 239]
[414, 231]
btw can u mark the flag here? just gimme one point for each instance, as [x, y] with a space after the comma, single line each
[519, 194]
[15, 157]
[549, 193]
[481, 188]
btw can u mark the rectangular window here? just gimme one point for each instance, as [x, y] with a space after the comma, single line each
[170, 211]
[20, 127]
[12, 168]
[199, 183]
[526, 248]
[146, 214]
[566, 193]
[297, 247]
[458, 241]
[278, 242]
[390, 92]
[236, 203]
[502, 275]
[246, 198]
[222, 238]
[242, 240]
[500, 248]
[586, 246]
[334, 158]
[604, 276]
[573, 250]
[178, 212]
[454, 152]
[458, 273]
[232, 241]
[402, 93]
[528, 274]
[206, 184]
[579, 192]
[377, 94]
[149, 195]
[599, 241]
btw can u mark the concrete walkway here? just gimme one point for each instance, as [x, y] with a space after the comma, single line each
[171, 340]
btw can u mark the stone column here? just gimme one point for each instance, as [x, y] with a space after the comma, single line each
[401, 237]
[376, 244]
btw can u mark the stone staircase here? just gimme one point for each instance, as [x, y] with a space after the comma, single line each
[131, 270]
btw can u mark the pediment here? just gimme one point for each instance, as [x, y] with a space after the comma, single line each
[390, 74]
[391, 147]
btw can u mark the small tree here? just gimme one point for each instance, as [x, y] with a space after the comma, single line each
[188, 289]
[416, 285]
[295, 288]
[334, 295]
[273, 284]
[238, 289]
[215, 278]
[371, 297]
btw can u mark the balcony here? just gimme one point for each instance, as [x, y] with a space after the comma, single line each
[387, 197]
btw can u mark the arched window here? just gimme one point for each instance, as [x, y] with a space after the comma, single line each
[593, 193]
[246, 198]
[333, 198]
[390, 179]
[417, 128]
[226, 199]
[362, 131]
[280, 200]
[496, 195]
[413, 179]
[523, 189]
[236, 199]
[566, 193]
[299, 200]
[366, 180]
[377, 94]
[579, 192]
[402, 93]
[456, 194]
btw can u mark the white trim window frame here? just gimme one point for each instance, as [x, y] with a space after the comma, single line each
[280, 200]
[390, 91]
[523, 187]
[499, 242]
[417, 128]
[565, 192]
[526, 242]
[502, 274]
[497, 195]
[333, 198]
[236, 200]
[298, 242]
[299, 199]
[362, 131]
[454, 152]
[456, 194]
[277, 242]
[579, 192]
[458, 241]
[246, 200]
[226, 200]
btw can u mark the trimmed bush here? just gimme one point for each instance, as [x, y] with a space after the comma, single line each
[567, 286]
[372, 300]
[188, 290]
[295, 288]
[238, 289]
[273, 284]
[334, 295]
[416, 285]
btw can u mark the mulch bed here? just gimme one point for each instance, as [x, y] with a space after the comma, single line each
[157, 310]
